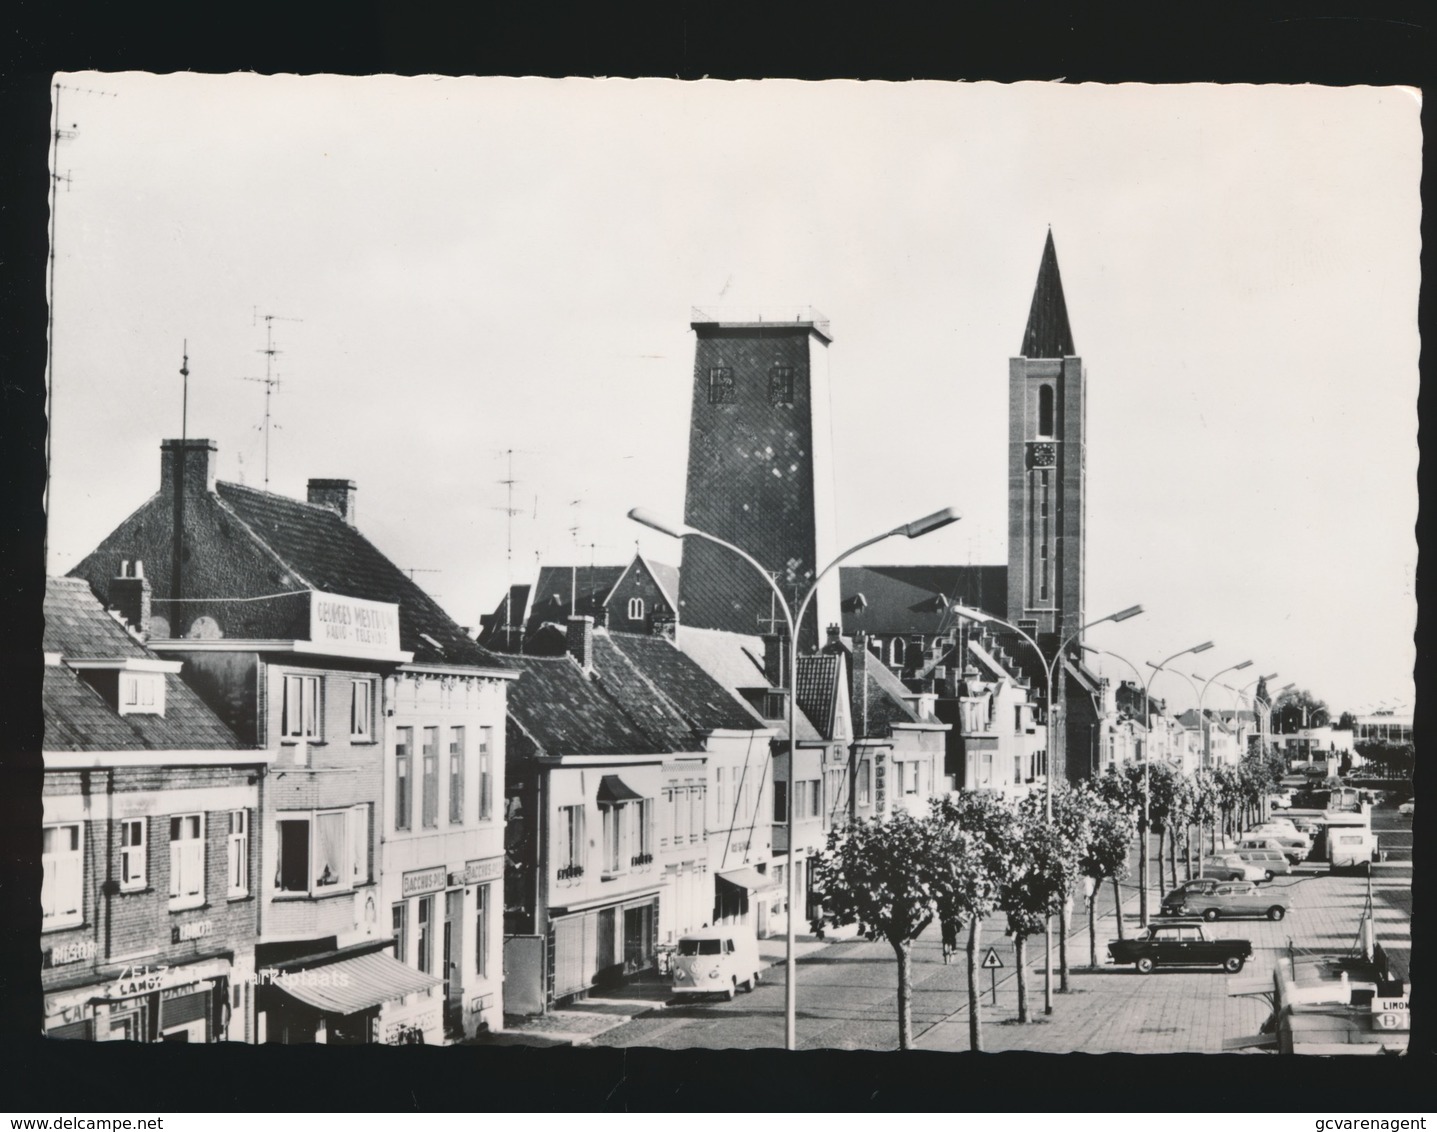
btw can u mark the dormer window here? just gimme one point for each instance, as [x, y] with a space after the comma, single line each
[142, 693]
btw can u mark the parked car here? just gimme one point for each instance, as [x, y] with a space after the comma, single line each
[1232, 898]
[1295, 845]
[1229, 866]
[1271, 859]
[1280, 801]
[1405, 809]
[1179, 945]
[716, 961]
[1278, 844]
[1175, 902]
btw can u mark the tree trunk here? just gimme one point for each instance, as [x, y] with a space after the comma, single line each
[1093, 926]
[1188, 849]
[1065, 923]
[1161, 879]
[905, 996]
[1173, 854]
[1020, 945]
[1118, 905]
[1143, 875]
[975, 992]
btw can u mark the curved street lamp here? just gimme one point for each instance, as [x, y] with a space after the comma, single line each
[1147, 686]
[915, 529]
[1202, 719]
[1053, 733]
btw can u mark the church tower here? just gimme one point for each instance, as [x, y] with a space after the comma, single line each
[760, 474]
[1047, 467]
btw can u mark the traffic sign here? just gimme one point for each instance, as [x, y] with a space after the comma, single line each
[991, 960]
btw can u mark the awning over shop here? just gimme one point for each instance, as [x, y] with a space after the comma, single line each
[355, 984]
[613, 790]
[750, 880]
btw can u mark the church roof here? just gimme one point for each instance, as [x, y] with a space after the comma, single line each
[1048, 334]
[905, 599]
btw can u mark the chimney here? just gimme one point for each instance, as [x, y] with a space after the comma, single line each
[581, 641]
[775, 659]
[130, 597]
[201, 460]
[336, 496]
[859, 692]
[664, 625]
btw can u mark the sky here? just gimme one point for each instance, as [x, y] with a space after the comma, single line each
[474, 275]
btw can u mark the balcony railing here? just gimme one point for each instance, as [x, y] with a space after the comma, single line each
[571, 872]
[641, 859]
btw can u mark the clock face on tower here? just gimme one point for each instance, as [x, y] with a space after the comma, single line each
[1042, 455]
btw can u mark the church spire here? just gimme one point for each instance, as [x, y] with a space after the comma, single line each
[1048, 335]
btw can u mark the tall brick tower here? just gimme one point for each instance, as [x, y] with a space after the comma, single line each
[1047, 467]
[760, 473]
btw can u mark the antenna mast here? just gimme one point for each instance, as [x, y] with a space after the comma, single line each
[177, 562]
[270, 380]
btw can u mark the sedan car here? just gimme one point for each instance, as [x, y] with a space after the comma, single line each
[1233, 898]
[1175, 903]
[1405, 809]
[1229, 866]
[1179, 945]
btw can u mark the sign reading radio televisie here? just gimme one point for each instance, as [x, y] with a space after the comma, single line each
[476, 872]
[352, 626]
[423, 881]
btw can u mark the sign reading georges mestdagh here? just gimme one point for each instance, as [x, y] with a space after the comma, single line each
[352, 626]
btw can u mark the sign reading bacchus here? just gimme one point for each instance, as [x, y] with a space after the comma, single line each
[353, 625]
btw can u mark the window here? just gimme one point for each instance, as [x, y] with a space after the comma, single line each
[681, 816]
[780, 385]
[696, 815]
[569, 853]
[719, 796]
[426, 934]
[430, 801]
[187, 861]
[807, 798]
[836, 800]
[642, 836]
[913, 770]
[403, 757]
[1045, 410]
[865, 784]
[636, 609]
[780, 801]
[132, 853]
[238, 852]
[481, 930]
[62, 890]
[301, 707]
[613, 848]
[361, 709]
[322, 852]
[456, 775]
[721, 389]
[486, 774]
[142, 693]
[399, 929]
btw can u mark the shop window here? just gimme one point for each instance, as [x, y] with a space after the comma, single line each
[142, 693]
[238, 852]
[780, 385]
[399, 924]
[132, 853]
[425, 948]
[301, 707]
[430, 799]
[187, 861]
[481, 930]
[721, 387]
[636, 609]
[361, 710]
[403, 760]
[456, 775]
[62, 889]
[486, 774]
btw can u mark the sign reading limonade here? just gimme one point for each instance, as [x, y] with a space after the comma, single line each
[351, 626]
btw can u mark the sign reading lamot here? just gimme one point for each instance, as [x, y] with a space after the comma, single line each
[351, 626]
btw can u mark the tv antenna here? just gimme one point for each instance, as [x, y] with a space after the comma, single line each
[510, 511]
[270, 380]
[58, 134]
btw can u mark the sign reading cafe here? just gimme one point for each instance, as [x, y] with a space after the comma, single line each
[353, 625]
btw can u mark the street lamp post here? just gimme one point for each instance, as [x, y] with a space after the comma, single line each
[914, 529]
[1053, 734]
[1147, 685]
[1202, 719]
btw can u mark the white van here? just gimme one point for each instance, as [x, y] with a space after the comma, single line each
[716, 961]
[1350, 847]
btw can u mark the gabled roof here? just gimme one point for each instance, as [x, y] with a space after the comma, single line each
[79, 718]
[566, 713]
[591, 586]
[886, 696]
[77, 626]
[328, 554]
[643, 700]
[667, 577]
[904, 600]
[818, 689]
[1047, 334]
[735, 660]
[696, 695]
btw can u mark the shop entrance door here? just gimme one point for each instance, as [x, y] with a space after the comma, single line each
[638, 937]
[453, 967]
[607, 964]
